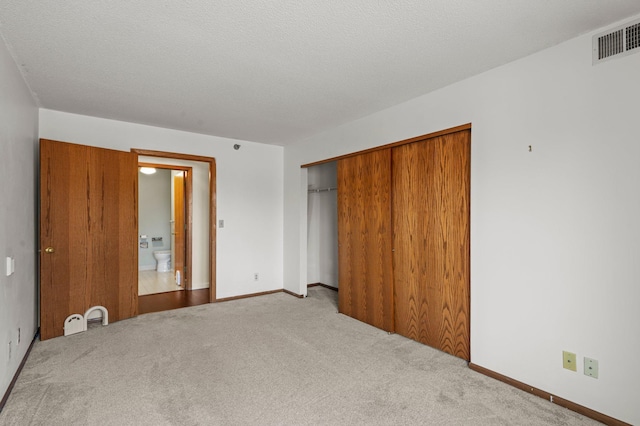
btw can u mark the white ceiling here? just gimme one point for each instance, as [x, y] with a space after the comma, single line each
[272, 71]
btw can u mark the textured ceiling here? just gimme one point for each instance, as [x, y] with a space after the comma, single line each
[272, 71]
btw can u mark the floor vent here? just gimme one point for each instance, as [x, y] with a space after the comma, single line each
[616, 42]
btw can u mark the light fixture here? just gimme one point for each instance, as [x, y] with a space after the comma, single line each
[147, 170]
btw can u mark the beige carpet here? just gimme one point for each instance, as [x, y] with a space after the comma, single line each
[270, 360]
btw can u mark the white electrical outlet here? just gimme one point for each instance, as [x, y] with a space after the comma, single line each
[18, 335]
[9, 349]
[591, 367]
[256, 277]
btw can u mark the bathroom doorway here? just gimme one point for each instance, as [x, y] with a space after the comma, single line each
[200, 231]
[165, 227]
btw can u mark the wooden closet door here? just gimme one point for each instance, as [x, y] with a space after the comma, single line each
[88, 233]
[364, 238]
[431, 182]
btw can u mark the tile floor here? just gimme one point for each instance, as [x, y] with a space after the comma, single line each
[151, 282]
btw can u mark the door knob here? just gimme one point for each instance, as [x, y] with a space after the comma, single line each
[49, 250]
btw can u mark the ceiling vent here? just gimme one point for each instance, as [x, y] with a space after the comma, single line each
[616, 42]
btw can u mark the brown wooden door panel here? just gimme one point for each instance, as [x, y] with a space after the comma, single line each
[364, 238]
[126, 194]
[88, 216]
[56, 197]
[178, 228]
[431, 241]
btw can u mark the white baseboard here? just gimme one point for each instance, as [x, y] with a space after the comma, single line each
[199, 286]
[146, 267]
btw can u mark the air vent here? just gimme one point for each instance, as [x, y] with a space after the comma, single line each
[616, 42]
[632, 35]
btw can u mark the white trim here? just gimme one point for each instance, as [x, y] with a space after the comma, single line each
[146, 267]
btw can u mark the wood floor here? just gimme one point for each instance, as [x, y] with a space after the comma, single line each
[172, 300]
[151, 282]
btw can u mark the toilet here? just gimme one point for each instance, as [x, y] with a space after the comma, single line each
[163, 257]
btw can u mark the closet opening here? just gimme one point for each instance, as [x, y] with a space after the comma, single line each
[322, 227]
[403, 236]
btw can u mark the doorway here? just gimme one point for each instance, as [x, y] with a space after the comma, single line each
[165, 227]
[322, 225]
[192, 254]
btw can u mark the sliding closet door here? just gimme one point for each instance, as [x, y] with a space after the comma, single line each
[431, 241]
[364, 238]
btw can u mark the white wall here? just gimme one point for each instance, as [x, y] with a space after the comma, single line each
[18, 165]
[249, 191]
[555, 235]
[154, 214]
[322, 225]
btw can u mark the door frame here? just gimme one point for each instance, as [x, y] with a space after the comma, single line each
[188, 204]
[212, 204]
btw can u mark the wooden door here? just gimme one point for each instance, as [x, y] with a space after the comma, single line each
[364, 238]
[431, 182]
[179, 228]
[88, 233]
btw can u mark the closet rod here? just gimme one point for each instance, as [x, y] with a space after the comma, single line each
[321, 190]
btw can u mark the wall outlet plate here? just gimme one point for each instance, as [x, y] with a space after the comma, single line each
[591, 367]
[569, 361]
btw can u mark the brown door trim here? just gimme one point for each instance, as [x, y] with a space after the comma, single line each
[212, 205]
